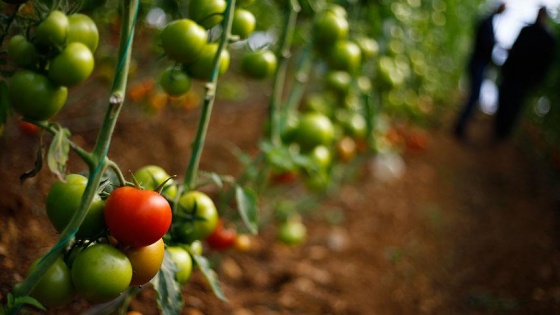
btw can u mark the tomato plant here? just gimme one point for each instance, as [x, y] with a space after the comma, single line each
[314, 129]
[201, 217]
[345, 56]
[63, 201]
[151, 177]
[101, 273]
[137, 217]
[145, 261]
[201, 67]
[22, 51]
[329, 27]
[55, 288]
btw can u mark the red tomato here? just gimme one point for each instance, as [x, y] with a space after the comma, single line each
[221, 238]
[28, 128]
[137, 217]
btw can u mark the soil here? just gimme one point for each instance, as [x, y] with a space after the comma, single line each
[469, 227]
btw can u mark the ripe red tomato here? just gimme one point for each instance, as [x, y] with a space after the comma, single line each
[146, 261]
[101, 273]
[137, 217]
[72, 66]
[243, 24]
[28, 128]
[183, 40]
[33, 95]
[221, 238]
[55, 288]
[259, 64]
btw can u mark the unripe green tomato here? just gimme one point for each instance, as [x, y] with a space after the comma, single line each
[81, 28]
[175, 82]
[292, 232]
[207, 13]
[22, 51]
[368, 46]
[35, 96]
[338, 82]
[63, 200]
[55, 288]
[72, 66]
[101, 273]
[345, 56]
[53, 30]
[201, 68]
[314, 129]
[206, 217]
[321, 156]
[243, 24]
[183, 40]
[152, 176]
[183, 261]
[259, 64]
[329, 27]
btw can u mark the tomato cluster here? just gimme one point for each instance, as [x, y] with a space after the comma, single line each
[55, 55]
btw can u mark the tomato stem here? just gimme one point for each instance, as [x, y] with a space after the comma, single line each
[210, 95]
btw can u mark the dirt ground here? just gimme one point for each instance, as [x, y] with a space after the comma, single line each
[470, 228]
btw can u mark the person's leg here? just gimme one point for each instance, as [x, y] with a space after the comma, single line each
[509, 107]
[476, 73]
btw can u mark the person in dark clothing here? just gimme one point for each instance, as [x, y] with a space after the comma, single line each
[484, 42]
[524, 69]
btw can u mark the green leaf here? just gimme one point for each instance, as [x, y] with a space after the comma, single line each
[169, 298]
[209, 274]
[247, 206]
[57, 157]
[27, 300]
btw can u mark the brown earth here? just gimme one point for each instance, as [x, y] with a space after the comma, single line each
[468, 229]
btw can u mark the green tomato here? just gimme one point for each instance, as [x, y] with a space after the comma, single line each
[259, 64]
[207, 13]
[175, 82]
[321, 156]
[100, 273]
[314, 129]
[72, 66]
[152, 176]
[345, 56]
[205, 217]
[201, 68]
[55, 288]
[22, 51]
[328, 28]
[52, 31]
[81, 28]
[243, 24]
[292, 232]
[34, 96]
[63, 200]
[183, 40]
[183, 261]
[368, 46]
[338, 82]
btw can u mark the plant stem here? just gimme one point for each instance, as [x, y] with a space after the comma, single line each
[280, 77]
[99, 160]
[210, 95]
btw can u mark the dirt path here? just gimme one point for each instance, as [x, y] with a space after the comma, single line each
[469, 229]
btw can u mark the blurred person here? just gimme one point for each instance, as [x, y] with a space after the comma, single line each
[525, 68]
[481, 56]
